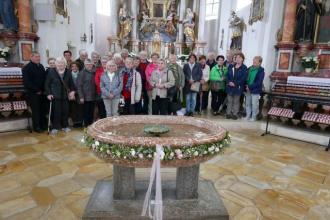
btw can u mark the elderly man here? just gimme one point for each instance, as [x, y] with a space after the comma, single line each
[87, 91]
[34, 76]
[83, 55]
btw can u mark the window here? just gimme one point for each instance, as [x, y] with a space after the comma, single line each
[242, 4]
[212, 9]
[103, 7]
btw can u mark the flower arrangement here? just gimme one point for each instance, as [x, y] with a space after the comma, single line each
[115, 151]
[4, 52]
[309, 62]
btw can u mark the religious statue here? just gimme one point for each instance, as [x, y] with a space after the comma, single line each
[306, 17]
[189, 24]
[7, 15]
[170, 24]
[237, 26]
[125, 22]
[156, 41]
[145, 23]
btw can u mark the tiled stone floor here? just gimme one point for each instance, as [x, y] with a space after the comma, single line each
[43, 177]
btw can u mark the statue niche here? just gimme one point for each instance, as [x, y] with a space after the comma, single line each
[125, 24]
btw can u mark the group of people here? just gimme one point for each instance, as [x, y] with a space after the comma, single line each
[90, 88]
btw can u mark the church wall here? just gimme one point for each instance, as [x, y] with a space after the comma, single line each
[260, 37]
[55, 35]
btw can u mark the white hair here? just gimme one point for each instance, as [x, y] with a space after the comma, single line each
[95, 53]
[111, 63]
[60, 60]
[104, 58]
[117, 56]
[143, 52]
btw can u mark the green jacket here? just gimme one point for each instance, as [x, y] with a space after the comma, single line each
[219, 75]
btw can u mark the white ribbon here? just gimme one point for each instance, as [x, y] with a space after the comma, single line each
[158, 202]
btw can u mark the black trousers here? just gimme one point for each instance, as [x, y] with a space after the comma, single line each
[101, 108]
[160, 106]
[217, 99]
[129, 109]
[76, 112]
[145, 102]
[89, 107]
[205, 101]
[38, 104]
[60, 112]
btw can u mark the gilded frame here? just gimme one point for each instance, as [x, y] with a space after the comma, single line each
[256, 11]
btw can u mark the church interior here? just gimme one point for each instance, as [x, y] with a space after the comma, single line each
[89, 130]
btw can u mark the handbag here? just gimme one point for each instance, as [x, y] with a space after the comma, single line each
[205, 87]
[195, 87]
[215, 85]
[172, 90]
[175, 106]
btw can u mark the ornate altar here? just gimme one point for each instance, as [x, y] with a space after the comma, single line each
[163, 26]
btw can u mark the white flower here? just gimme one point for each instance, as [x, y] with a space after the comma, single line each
[178, 151]
[82, 140]
[210, 149]
[133, 152]
[97, 143]
[149, 155]
[108, 152]
[140, 156]
[179, 156]
[221, 146]
[124, 157]
[205, 152]
[93, 146]
[216, 149]
[171, 154]
[196, 153]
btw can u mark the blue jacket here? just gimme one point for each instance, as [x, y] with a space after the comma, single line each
[115, 86]
[256, 87]
[196, 75]
[239, 79]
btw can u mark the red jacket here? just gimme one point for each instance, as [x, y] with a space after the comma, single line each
[98, 74]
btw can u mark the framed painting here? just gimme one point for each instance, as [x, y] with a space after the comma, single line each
[25, 50]
[256, 11]
[61, 7]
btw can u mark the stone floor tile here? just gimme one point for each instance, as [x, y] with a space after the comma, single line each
[43, 196]
[64, 188]
[13, 207]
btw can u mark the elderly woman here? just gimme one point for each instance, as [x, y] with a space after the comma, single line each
[87, 91]
[149, 70]
[99, 72]
[95, 56]
[132, 87]
[59, 88]
[161, 80]
[76, 108]
[202, 100]
[142, 70]
[111, 87]
[253, 89]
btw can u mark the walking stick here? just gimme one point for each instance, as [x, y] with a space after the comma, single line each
[49, 115]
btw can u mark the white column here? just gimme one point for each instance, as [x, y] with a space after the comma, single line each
[181, 13]
[201, 21]
[114, 18]
[134, 11]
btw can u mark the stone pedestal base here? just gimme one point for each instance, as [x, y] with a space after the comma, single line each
[208, 206]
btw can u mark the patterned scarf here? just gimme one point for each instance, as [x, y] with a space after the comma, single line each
[129, 83]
